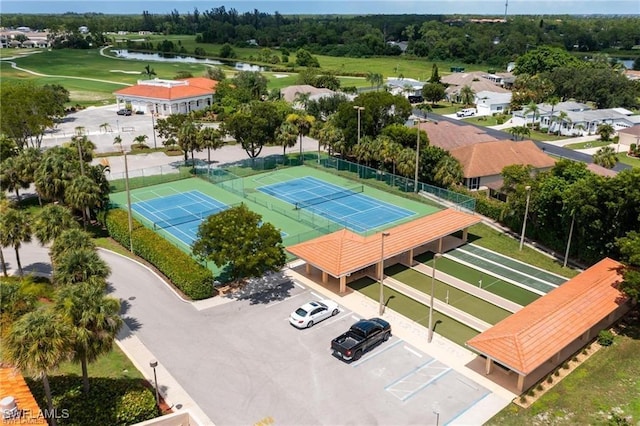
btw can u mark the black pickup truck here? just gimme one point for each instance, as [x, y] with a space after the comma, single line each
[361, 337]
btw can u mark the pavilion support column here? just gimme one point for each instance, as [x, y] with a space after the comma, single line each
[488, 366]
[325, 277]
[378, 266]
[440, 245]
[586, 335]
[409, 257]
[465, 235]
[343, 284]
[557, 358]
[520, 382]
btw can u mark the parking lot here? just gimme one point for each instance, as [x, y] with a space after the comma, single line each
[243, 363]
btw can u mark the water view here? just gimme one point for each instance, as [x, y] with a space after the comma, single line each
[169, 57]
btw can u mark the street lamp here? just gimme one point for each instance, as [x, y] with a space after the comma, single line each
[433, 288]
[153, 364]
[358, 108]
[526, 212]
[566, 253]
[436, 411]
[126, 187]
[417, 123]
[153, 129]
[382, 237]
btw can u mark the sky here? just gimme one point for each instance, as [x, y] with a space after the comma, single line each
[286, 7]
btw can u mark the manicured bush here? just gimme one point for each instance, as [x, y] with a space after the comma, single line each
[550, 379]
[193, 279]
[605, 338]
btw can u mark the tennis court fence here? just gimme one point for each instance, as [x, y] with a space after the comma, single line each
[222, 178]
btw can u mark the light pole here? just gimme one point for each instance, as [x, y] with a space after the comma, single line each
[415, 183]
[566, 253]
[526, 212]
[126, 187]
[153, 364]
[358, 108]
[436, 411]
[382, 237]
[433, 288]
[153, 129]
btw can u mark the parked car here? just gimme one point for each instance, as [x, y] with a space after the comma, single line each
[467, 112]
[313, 312]
[361, 337]
[124, 111]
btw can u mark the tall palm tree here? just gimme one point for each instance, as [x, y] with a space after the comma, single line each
[532, 108]
[332, 137]
[140, 140]
[448, 172]
[36, 344]
[15, 229]
[56, 169]
[406, 164]
[303, 123]
[467, 94]
[4, 205]
[605, 157]
[302, 98]
[188, 138]
[29, 160]
[287, 136]
[80, 265]
[69, 240]
[553, 101]
[563, 117]
[210, 138]
[605, 130]
[83, 194]
[148, 71]
[52, 221]
[94, 319]
[12, 177]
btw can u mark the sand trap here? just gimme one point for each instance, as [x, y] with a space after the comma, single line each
[126, 72]
[280, 75]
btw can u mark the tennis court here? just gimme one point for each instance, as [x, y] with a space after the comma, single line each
[346, 206]
[179, 214]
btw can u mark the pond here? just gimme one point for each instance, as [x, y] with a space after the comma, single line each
[169, 57]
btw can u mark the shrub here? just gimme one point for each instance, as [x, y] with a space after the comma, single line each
[539, 387]
[565, 365]
[193, 279]
[523, 398]
[550, 379]
[605, 338]
[557, 373]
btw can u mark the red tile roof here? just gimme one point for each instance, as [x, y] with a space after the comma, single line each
[489, 158]
[344, 252]
[196, 87]
[12, 384]
[533, 335]
[448, 136]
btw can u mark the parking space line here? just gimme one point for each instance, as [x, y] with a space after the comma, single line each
[355, 317]
[410, 373]
[424, 385]
[413, 352]
[317, 296]
[362, 361]
[297, 284]
[473, 403]
[271, 305]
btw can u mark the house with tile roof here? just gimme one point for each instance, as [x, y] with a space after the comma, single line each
[482, 163]
[629, 136]
[541, 336]
[489, 103]
[291, 93]
[14, 391]
[477, 80]
[167, 97]
[448, 136]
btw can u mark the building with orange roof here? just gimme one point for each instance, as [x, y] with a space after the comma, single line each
[346, 256]
[482, 163]
[538, 338]
[167, 97]
[449, 136]
[13, 386]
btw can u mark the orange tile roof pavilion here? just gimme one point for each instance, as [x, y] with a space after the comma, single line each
[12, 384]
[527, 339]
[344, 252]
[170, 90]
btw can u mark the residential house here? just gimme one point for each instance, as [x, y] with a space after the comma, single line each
[489, 103]
[167, 97]
[629, 136]
[292, 93]
[482, 163]
[586, 122]
[448, 136]
[405, 86]
[478, 81]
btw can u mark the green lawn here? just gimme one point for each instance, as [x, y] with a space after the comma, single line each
[473, 276]
[590, 144]
[631, 161]
[608, 381]
[537, 135]
[482, 120]
[444, 325]
[457, 298]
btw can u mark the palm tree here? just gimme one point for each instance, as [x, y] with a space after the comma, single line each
[94, 320]
[605, 130]
[69, 240]
[52, 221]
[519, 132]
[303, 123]
[467, 95]
[140, 140]
[406, 163]
[12, 177]
[15, 229]
[188, 138]
[148, 71]
[80, 265]
[375, 79]
[287, 136]
[29, 160]
[332, 138]
[563, 117]
[390, 152]
[448, 172]
[36, 344]
[532, 107]
[4, 205]
[210, 138]
[105, 127]
[553, 101]
[56, 169]
[605, 157]
[83, 194]
[302, 98]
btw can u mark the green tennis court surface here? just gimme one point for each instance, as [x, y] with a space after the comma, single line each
[480, 279]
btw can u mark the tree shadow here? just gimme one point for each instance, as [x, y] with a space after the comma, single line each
[38, 268]
[268, 288]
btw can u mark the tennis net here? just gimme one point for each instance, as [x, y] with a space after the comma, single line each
[336, 195]
[175, 221]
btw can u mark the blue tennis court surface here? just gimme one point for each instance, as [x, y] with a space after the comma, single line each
[346, 206]
[179, 214]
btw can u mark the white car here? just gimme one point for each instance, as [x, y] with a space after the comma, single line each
[467, 112]
[313, 312]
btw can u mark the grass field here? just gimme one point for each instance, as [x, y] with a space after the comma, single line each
[631, 161]
[590, 144]
[472, 276]
[445, 326]
[457, 298]
[607, 382]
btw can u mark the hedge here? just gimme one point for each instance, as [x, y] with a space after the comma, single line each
[193, 279]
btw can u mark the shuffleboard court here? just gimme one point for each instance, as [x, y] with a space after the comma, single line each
[346, 206]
